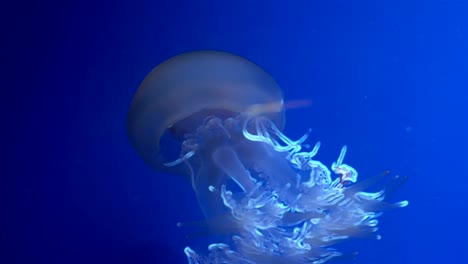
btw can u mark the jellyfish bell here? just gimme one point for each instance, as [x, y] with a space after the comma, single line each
[181, 92]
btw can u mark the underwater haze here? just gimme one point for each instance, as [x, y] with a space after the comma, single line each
[387, 79]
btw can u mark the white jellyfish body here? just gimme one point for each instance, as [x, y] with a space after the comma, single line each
[279, 204]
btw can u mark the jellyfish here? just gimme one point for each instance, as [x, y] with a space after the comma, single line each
[218, 118]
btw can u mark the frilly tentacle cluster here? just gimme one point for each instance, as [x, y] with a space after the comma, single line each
[297, 222]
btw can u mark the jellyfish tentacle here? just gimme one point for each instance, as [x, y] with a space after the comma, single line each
[297, 223]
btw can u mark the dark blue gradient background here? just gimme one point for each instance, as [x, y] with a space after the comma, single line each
[387, 78]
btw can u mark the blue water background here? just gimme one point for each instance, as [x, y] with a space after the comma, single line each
[387, 78]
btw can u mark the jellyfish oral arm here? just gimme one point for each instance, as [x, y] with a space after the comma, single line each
[290, 209]
[226, 159]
